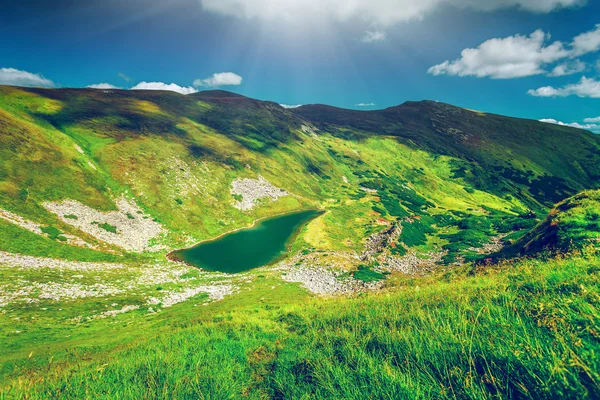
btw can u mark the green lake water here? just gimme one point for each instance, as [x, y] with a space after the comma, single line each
[249, 248]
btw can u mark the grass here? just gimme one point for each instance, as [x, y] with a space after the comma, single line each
[14, 239]
[527, 330]
[106, 226]
[573, 223]
[366, 274]
[524, 330]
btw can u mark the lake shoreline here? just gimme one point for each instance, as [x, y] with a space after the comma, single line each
[172, 257]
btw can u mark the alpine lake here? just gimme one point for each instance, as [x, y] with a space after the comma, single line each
[262, 244]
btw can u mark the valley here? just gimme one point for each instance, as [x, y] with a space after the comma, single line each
[447, 252]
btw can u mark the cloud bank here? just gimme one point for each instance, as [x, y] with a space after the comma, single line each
[15, 77]
[592, 120]
[164, 86]
[586, 87]
[520, 56]
[102, 86]
[568, 68]
[373, 36]
[588, 126]
[380, 12]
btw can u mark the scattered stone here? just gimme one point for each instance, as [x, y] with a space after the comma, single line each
[37, 229]
[33, 292]
[379, 242]
[30, 262]
[411, 264]
[20, 221]
[323, 281]
[114, 313]
[309, 130]
[215, 293]
[494, 245]
[371, 191]
[132, 234]
[253, 190]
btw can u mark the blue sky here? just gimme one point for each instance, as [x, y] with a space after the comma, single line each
[536, 59]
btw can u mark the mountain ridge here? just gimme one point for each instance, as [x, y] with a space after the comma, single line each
[418, 159]
[219, 93]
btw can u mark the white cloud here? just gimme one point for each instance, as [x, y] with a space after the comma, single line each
[546, 91]
[587, 42]
[290, 106]
[220, 79]
[164, 86]
[381, 12]
[568, 68]
[520, 56]
[511, 57]
[103, 86]
[15, 77]
[373, 36]
[590, 127]
[586, 87]
[365, 105]
[592, 120]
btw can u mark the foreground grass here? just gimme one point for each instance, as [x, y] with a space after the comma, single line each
[528, 331]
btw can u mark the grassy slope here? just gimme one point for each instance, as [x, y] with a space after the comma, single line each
[506, 156]
[467, 176]
[528, 330]
[573, 223]
[424, 159]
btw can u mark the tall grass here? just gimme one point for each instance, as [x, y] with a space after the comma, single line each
[516, 331]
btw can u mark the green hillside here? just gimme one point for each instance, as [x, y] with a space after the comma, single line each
[177, 156]
[573, 224]
[389, 290]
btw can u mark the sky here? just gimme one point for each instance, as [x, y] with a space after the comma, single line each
[537, 59]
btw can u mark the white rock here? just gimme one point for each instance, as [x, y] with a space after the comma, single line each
[253, 190]
[134, 228]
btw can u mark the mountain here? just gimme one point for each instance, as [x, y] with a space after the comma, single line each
[499, 154]
[176, 156]
[384, 288]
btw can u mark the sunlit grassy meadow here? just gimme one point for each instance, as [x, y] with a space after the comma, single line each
[528, 330]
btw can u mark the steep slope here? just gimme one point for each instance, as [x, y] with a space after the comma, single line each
[572, 224]
[506, 156]
[450, 176]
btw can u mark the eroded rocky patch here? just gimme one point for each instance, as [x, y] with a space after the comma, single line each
[38, 229]
[250, 191]
[128, 227]
[324, 281]
[30, 262]
[38, 280]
